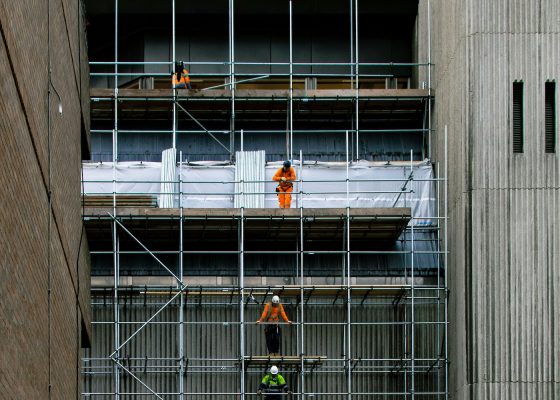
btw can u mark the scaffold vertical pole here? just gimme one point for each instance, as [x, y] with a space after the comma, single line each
[232, 77]
[357, 71]
[439, 265]
[301, 302]
[429, 29]
[291, 91]
[179, 285]
[348, 280]
[174, 55]
[351, 3]
[116, 327]
[412, 303]
[242, 295]
[300, 178]
[116, 272]
[445, 259]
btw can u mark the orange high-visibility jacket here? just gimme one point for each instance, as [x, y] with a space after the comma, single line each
[290, 175]
[270, 314]
[184, 78]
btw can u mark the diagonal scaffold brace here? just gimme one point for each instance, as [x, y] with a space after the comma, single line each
[182, 288]
[202, 126]
[129, 372]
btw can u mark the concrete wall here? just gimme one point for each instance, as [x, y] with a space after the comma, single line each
[503, 208]
[44, 256]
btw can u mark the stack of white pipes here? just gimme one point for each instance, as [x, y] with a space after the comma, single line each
[249, 178]
[168, 178]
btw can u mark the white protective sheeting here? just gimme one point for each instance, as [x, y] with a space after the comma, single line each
[141, 178]
[371, 185]
[168, 178]
[208, 187]
[213, 186]
[249, 178]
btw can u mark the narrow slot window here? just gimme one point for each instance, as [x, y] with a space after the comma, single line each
[518, 117]
[550, 117]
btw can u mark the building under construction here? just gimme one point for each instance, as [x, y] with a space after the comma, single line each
[186, 237]
[418, 259]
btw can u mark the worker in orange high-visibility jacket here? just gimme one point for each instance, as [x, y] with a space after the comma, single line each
[181, 79]
[285, 177]
[271, 315]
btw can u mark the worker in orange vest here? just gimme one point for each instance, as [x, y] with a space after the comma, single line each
[285, 177]
[181, 78]
[271, 315]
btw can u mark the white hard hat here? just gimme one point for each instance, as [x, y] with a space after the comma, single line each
[274, 370]
[275, 299]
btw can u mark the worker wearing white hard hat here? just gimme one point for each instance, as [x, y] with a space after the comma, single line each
[273, 385]
[271, 315]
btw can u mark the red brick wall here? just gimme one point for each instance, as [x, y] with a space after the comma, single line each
[40, 340]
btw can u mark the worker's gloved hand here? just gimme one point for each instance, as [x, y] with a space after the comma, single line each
[283, 179]
[290, 322]
[259, 392]
[290, 392]
[258, 322]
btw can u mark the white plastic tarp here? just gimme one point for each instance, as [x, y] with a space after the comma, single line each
[140, 178]
[208, 187]
[324, 186]
[212, 186]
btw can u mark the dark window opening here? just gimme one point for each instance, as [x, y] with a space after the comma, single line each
[550, 117]
[518, 117]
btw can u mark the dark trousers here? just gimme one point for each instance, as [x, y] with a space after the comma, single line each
[272, 334]
[277, 396]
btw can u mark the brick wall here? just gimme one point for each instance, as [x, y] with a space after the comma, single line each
[42, 247]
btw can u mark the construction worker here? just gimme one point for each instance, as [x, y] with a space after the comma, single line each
[181, 79]
[270, 315]
[285, 177]
[274, 385]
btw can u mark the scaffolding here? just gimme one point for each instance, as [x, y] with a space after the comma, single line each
[181, 336]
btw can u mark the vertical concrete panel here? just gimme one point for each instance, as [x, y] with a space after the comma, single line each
[504, 230]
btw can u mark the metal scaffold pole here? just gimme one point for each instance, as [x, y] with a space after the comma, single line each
[231, 35]
[116, 316]
[301, 299]
[242, 298]
[348, 279]
[446, 260]
[412, 304]
[116, 331]
[179, 285]
[291, 91]
[429, 82]
[351, 4]
[357, 79]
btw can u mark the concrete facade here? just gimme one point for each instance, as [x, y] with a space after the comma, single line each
[503, 207]
[44, 256]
